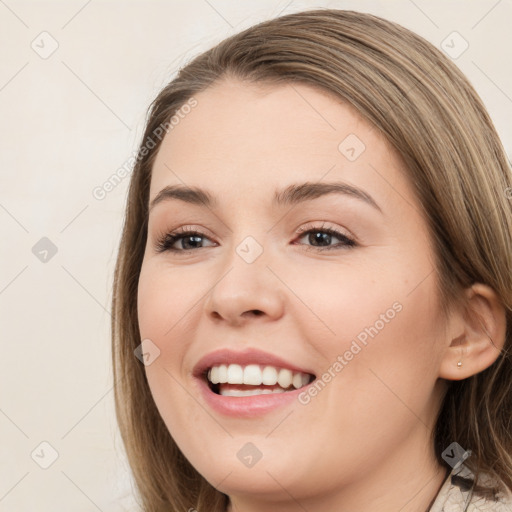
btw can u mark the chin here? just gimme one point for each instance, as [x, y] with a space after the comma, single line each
[262, 466]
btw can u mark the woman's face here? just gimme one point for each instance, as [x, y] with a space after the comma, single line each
[294, 282]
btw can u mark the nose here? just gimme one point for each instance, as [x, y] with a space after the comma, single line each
[245, 291]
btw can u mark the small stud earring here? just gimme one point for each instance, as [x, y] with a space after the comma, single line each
[459, 364]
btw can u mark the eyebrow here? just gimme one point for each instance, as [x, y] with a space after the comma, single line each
[291, 195]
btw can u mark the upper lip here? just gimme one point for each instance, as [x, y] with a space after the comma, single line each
[243, 358]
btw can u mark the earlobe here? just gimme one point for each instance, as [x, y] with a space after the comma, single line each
[483, 336]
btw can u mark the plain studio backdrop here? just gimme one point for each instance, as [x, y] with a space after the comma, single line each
[76, 78]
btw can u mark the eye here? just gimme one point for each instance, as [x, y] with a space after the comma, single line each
[321, 237]
[188, 239]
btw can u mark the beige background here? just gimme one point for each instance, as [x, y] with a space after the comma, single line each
[68, 121]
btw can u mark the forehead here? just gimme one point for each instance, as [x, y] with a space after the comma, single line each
[256, 138]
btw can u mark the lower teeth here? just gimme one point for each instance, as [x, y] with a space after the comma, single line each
[250, 392]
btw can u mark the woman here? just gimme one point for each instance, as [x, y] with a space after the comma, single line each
[315, 272]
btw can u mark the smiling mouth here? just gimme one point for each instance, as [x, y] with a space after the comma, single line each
[253, 379]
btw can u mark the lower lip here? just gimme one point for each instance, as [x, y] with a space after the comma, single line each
[247, 406]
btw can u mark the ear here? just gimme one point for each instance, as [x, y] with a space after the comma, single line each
[483, 326]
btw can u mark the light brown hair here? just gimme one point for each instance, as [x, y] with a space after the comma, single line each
[427, 109]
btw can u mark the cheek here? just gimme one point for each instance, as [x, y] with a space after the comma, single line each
[390, 358]
[162, 305]
[387, 330]
[168, 304]
[167, 300]
[339, 304]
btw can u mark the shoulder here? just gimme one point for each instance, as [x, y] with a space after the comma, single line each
[460, 494]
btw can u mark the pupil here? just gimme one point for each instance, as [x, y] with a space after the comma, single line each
[321, 236]
[195, 238]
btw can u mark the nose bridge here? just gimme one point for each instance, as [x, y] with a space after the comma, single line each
[245, 284]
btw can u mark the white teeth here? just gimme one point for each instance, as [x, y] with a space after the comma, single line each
[297, 380]
[252, 375]
[223, 373]
[214, 375]
[250, 392]
[285, 378]
[256, 375]
[269, 376]
[235, 374]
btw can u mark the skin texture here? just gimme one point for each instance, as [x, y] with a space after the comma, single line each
[363, 443]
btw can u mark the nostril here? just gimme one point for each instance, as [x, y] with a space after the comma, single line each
[252, 312]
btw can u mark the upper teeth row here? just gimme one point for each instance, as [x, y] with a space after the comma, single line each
[254, 374]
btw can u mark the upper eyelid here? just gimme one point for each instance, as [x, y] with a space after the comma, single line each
[190, 228]
[325, 226]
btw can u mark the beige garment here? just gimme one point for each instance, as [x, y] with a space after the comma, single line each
[455, 494]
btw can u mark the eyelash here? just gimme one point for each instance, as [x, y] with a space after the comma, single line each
[165, 242]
